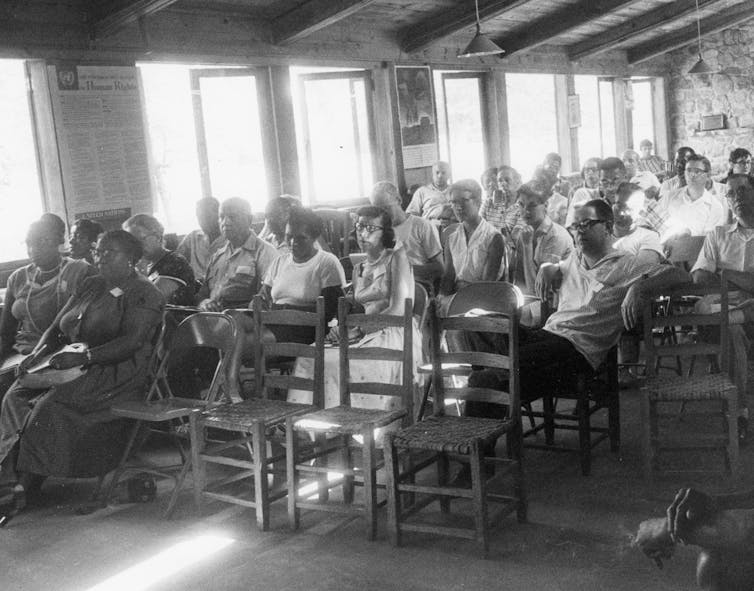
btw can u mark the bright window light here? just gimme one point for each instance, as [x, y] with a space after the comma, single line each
[20, 193]
[165, 564]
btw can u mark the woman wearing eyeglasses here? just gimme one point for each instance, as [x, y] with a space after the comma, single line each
[381, 284]
[66, 429]
[739, 162]
[37, 291]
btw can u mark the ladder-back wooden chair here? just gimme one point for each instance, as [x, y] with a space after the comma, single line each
[462, 438]
[251, 421]
[670, 429]
[341, 427]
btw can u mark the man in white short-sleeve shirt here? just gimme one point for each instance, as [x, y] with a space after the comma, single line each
[429, 200]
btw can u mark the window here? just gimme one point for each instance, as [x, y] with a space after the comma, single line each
[596, 135]
[335, 134]
[459, 99]
[531, 119]
[172, 139]
[20, 189]
[642, 113]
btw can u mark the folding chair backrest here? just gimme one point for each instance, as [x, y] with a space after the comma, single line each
[492, 296]
[265, 351]
[460, 363]
[210, 330]
[706, 343]
[369, 323]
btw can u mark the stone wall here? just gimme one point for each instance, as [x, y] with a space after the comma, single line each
[730, 92]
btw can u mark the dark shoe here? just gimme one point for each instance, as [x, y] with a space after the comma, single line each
[743, 431]
[12, 502]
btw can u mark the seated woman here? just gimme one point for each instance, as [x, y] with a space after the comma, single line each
[84, 235]
[67, 429]
[473, 247]
[381, 283]
[169, 271]
[37, 292]
[721, 525]
[296, 279]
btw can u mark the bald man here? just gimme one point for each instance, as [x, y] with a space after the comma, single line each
[428, 201]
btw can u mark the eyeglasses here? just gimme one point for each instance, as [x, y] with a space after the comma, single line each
[584, 225]
[368, 227]
[695, 171]
[743, 161]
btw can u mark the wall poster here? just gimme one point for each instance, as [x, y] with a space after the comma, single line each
[416, 112]
[100, 132]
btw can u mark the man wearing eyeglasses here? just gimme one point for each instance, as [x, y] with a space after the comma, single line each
[694, 209]
[599, 293]
[612, 174]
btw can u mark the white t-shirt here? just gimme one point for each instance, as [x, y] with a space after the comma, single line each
[640, 239]
[419, 238]
[300, 284]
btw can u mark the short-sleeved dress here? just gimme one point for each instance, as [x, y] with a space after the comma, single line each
[35, 303]
[372, 288]
[68, 430]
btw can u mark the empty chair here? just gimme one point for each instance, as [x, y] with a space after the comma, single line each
[340, 427]
[250, 422]
[467, 439]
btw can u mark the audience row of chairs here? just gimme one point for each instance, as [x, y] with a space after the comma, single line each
[286, 449]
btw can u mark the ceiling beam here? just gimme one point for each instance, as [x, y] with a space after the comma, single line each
[423, 34]
[725, 19]
[119, 14]
[313, 16]
[640, 25]
[566, 19]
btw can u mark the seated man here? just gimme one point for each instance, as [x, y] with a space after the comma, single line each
[473, 247]
[418, 236]
[276, 216]
[198, 246]
[612, 174]
[634, 173]
[235, 271]
[590, 173]
[692, 209]
[731, 248]
[168, 271]
[428, 200]
[599, 293]
[631, 238]
[721, 525]
[679, 166]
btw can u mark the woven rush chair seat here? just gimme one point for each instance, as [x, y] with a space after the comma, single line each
[695, 387]
[347, 420]
[244, 415]
[447, 434]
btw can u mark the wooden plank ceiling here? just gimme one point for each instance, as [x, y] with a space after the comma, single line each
[581, 28]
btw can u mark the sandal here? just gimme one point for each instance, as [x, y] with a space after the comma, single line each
[12, 502]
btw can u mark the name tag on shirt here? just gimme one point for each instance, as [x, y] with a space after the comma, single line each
[243, 270]
[116, 292]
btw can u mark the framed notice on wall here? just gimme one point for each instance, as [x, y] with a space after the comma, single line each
[102, 144]
[416, 112]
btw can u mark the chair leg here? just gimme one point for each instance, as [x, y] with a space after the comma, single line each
[646, 435]
[516, 447]
[393, 495]
[370, 483]
[197, 435]
[731, 404]
[479, 500]
[347, 458]
[291, 461]
[442, 480]
[323, 488]
[585, 443]
[177, 488]
[122, 464]
[613, 407]
[261, 490]
[548, 408]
